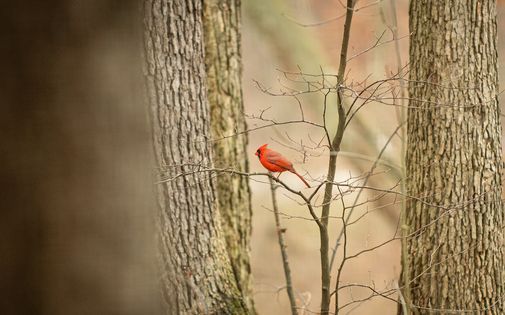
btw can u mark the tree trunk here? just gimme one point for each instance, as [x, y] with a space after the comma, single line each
[197, 276]
[222, 27]
[453, 160]
[74, 167]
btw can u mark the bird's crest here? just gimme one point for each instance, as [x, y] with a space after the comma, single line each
[260, 150]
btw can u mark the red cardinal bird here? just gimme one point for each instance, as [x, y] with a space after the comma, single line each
[275, 162]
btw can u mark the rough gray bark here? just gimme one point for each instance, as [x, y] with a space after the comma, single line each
[222, 28]
[74, 167]
[454, 159]
[197, 274]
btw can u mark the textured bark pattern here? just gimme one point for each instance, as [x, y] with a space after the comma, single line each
[222, 23]
[197, 274]
[454, 159]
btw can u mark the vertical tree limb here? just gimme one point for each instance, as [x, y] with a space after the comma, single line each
[223, 59]
[197, 273]
[454, 156]
[332, 165]
[284, 253]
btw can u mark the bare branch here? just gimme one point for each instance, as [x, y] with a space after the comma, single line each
[284, 253]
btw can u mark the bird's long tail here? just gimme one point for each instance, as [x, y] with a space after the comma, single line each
[303, 179]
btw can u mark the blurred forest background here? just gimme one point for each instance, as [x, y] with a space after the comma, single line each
[284, 34]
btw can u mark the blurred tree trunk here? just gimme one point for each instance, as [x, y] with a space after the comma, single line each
[223, 59]
[197, 273]
[454, 160]
[74, 167]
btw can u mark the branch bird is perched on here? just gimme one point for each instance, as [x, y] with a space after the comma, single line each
[275, 162]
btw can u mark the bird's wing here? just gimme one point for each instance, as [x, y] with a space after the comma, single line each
[277, 159]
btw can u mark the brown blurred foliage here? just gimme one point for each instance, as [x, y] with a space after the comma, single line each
[75, 165]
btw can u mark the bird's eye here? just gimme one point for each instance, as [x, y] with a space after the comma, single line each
[258, 151]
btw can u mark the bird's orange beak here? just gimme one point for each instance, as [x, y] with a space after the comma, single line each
[256, 153]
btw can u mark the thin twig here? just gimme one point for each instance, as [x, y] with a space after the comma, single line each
[346, 221]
